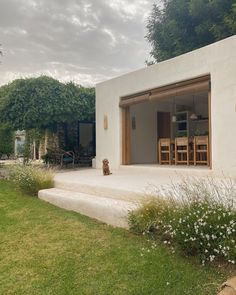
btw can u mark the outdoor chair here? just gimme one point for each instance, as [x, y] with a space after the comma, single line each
[60, 157]
[68, 158]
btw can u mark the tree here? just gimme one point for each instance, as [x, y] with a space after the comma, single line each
[40, 106]
[6, 141]
[83, 101]
[42, 103]
[184, 25]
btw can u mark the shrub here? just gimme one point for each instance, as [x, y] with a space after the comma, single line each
[153, 216]
[30, 179]
[197, 215]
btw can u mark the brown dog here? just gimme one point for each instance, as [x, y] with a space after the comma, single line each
[105, 167]
[229, 287]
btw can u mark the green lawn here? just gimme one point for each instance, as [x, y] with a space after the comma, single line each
[47, 250]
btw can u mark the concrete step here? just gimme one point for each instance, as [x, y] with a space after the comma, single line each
[108, 210]
[99, 190]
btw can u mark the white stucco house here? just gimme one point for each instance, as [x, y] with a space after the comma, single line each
[190, 96]
[179, 114]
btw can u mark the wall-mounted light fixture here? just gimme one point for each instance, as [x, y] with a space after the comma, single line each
[105, 122]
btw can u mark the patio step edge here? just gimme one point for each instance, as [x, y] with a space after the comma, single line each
[111, 211]
[99, 190]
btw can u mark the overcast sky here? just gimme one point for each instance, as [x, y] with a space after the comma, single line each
[86, 41]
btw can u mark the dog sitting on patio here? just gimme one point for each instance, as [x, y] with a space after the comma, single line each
[105, 167]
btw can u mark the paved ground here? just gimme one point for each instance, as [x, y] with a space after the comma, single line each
[132, 180]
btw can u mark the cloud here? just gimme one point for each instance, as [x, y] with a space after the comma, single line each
[86, 41]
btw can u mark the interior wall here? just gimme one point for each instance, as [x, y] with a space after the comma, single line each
[143, 137]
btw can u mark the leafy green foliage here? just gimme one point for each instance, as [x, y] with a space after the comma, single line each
[185, 25]
[6, 141]
[41, 103]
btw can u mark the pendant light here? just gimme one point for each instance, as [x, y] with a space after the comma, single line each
[193, 116]
[173, 119]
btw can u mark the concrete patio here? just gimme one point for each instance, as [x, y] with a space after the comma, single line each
[110, 198]
[129, 183]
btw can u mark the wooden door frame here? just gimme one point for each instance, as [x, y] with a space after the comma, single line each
[126, 134]
[210, 128]
[126, 131]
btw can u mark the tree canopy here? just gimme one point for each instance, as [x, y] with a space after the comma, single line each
[184, 25]
[43, 102]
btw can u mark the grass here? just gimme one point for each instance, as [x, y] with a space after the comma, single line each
[47, 250]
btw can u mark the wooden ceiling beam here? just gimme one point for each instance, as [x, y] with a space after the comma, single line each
[181, 90]
[191, 86]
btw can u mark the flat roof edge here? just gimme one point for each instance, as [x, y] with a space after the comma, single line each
[226, 40]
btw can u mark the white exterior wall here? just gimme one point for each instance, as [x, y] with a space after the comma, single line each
[218, 60]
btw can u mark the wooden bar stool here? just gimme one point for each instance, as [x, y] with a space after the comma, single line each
[181, 150]
[201, 150]
[164, 150]
[191, 151]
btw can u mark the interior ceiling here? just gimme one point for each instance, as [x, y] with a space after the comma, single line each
[201, 97]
